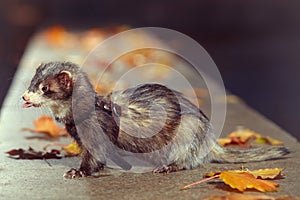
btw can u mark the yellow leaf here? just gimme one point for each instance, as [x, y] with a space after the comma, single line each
[260, 173]
[72, 149]
[224, 141]
[46, 125]
[244, 180]
[268, 140]
[267, 173]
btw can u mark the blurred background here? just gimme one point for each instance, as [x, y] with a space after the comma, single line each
[255, 44]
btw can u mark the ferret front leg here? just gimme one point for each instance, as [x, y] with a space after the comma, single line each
[89, 165]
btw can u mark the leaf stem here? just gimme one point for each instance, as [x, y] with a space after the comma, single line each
[201, 181]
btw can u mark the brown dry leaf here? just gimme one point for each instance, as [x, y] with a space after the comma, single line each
[72, 149]
[46, 125]
[244, 180]
[33, 154]
[236, 196]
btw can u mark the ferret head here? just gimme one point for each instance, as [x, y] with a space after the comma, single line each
[51, 85]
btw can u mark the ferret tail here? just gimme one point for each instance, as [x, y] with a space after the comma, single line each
[229, 155]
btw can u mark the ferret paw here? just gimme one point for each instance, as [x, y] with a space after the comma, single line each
[74, 173]
[165, 169]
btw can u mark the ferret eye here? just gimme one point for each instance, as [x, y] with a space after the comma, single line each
[45, 88]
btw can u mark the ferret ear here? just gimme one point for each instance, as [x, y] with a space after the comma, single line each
[65, 79]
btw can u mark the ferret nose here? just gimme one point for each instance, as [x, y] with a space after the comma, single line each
[25, 97]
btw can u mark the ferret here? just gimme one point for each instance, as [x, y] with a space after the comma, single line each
[172, 130]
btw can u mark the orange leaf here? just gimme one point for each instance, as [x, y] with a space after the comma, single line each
[46, 125]
[241, 179]
[56, 35]
[260, 173]
[244, 180]
[236, 196]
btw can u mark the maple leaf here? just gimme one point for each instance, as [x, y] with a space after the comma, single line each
[260, 173]
[46, 125]
[244, 180]
[236, 196]
[241, 180]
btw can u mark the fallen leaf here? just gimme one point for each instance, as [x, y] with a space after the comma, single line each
[236, 196]
[224, 141]
[267, 173]
[244, 180]
[72, 149]
[268, 140]
[233, 140]
[241, 179]
[272, 173]
[56, 35]
[240, 137]
[33, 154]
[46, 125]
[243, 135]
